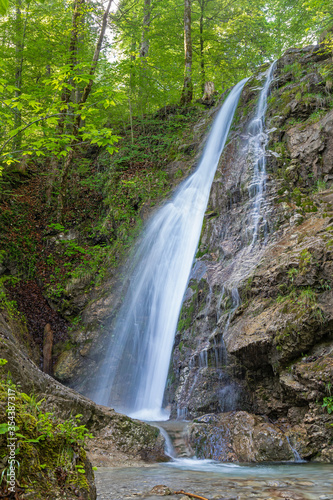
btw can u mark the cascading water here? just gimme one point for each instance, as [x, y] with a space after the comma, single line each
[251, 170]
[257, 148]
[134, 375]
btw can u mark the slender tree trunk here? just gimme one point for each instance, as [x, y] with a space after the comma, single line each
[18, 71]
[187, 93]
[84, 97]
[78, 11]
[19, 47]
[202, 56]
[132, 81]
[94, 62]
[132, 75]
[144, 49]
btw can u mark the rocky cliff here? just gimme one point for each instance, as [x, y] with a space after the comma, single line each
[255, 332]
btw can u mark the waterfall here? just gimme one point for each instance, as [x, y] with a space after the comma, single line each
[133, 376]
[249, 167]
[257, 148]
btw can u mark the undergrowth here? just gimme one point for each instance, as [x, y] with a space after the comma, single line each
[107, 201]
[49, 453]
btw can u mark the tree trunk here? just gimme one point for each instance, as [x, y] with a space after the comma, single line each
[19, 47]
[144, 49]
[18, 71]
[202, 57]
[209, 91]
[94, 62]
[187, 93]
[84, 97]
[78, 12]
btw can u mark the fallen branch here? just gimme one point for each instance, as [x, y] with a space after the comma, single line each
[181, 492]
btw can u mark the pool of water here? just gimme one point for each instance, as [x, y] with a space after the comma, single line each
[219, 481]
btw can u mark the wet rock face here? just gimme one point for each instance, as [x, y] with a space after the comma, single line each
[203, 378]
[257, 319]
[239, 437]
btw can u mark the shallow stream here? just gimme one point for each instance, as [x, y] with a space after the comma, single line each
[219, 481]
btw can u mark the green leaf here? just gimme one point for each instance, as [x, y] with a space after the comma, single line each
[52, 121]
[3, 362]
[3, 428]
[25, 397]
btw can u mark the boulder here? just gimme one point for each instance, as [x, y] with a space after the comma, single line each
[239, 437]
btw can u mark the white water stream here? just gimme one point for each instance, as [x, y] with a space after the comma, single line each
[249, 168]
[257, 147]
[139, 353]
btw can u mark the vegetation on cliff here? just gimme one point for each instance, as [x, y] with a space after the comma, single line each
[48, 457]
[279, 338]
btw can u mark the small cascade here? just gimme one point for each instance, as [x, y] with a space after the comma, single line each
[257, 153]
[182, 414]
[211, 357]
[133, 375]
[297, 456]
[176, 434]
[168, 447]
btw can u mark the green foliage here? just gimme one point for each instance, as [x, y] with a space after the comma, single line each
[3, 7]
[44, 445]
[125, 84]
[320, 186]
[10, 306]
[308, 297]
[57, 227]
[328, 404]
[328, 400]
[295, 68]
[293, 273]
[305, 260]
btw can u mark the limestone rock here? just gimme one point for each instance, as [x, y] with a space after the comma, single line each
[255, 331]
[239, 437]
[161, 490]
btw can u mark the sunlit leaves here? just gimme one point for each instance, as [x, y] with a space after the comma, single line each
[3, 7]
[236, 37]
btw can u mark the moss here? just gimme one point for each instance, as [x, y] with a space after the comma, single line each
[305, 261]
[194, 305]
